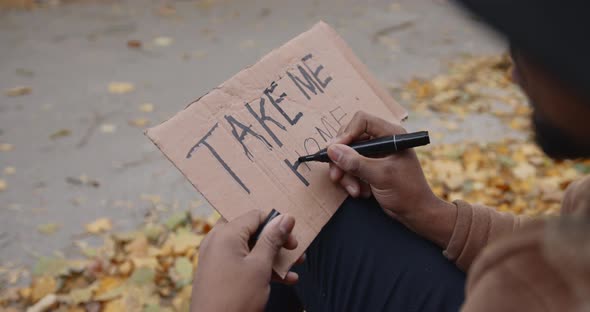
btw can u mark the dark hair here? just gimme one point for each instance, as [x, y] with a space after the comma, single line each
[553, 33]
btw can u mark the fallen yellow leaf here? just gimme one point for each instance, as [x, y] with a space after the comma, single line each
[81, 295]
[60, 133]
[9, 171]
[116, 305]
[139, 122]
[44, 304]
[182, 272]
[151, 263]
[121, 87]
[99, 226]
[126, 268]
[524, 171]
[48, 228]
[146, 108]
[182, 301]
[182, 241]
[3, 185]
[138, 247]
[108, 283]
[143, 276]
[6, 147]
[25, 293]
[163, 41]
[18, 91]
[108, 128]
[43, 286]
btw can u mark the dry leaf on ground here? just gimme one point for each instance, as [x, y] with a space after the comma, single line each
[18, 91]
[9, 171]
[139, 122]
[183, 272]
[43, 304]
[121, 87]
[60, 134]
[134, 44]
[42, 287]
[99, 226]
[108, 128]
[163, 41]
[146, 108]
[6, 147]
[48, 228]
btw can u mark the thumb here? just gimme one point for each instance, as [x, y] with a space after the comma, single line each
[273, 237]
[347, 159]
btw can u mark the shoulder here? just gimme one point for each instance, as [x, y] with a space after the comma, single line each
[535, 269]
[521, 245]
[577, 197]
[500, 278]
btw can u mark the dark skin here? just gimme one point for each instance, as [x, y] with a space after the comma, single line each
[230, 277]
[553, 99]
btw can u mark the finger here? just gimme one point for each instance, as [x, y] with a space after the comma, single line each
[346, 139]
[364, 137]
[291, 242]
[365, 189]
[248, 223]
[351, 185]
[273, 237]
[363, 123]
[218, 225]
[340, 132]
[374, 171]
[290, 279]
[335, 173]
[301, 259]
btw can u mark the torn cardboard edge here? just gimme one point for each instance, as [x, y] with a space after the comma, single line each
[271, 182]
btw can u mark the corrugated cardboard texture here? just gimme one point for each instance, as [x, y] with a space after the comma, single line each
[238, 144]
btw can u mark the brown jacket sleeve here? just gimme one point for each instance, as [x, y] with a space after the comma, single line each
[576, 199]
[477, 226]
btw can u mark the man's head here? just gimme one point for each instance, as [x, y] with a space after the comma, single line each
[553, 66]
[561, 116]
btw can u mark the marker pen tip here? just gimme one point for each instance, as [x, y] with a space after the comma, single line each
[306, 158]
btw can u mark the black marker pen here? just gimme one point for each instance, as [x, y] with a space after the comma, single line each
[380, 146]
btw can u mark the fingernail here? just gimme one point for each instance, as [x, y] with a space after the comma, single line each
[285, 224]
[333, 173]
[351, 189]
[336, 153]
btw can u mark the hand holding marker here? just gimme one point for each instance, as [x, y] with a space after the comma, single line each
[380, 146]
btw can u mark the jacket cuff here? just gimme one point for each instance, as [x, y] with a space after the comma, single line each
[460, 231]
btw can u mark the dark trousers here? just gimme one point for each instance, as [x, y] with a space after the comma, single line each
[363, 260]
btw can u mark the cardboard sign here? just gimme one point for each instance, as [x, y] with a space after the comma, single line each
[238, 144]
